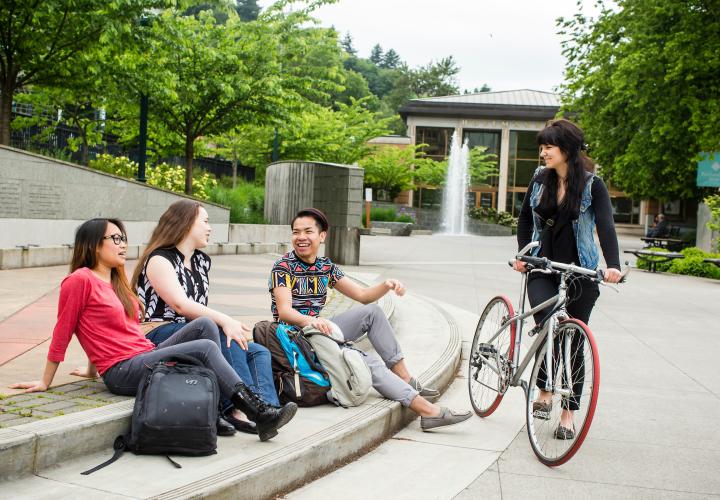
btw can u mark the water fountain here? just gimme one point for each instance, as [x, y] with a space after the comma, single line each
[454, 209]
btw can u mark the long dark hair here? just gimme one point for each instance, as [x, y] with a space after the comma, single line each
[571, 140]
[88, 238]
[174, 224]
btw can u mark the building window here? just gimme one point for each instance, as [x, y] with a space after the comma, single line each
[524, 158]
[489, 139]
[437, 140]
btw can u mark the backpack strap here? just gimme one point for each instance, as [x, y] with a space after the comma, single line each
[120, 445]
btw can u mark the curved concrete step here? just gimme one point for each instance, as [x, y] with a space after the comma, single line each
[317, 441]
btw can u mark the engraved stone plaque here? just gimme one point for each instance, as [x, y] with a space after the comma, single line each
[10, 204]
[44, 201]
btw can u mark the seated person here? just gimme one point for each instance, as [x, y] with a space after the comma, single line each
[172, 280]
[98, 306]
[298, 285]
[660, 229]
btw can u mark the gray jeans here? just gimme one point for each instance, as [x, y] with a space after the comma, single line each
[200, 339]
[370, 319]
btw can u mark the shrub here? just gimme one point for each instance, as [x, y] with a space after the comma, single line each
[163, 175]
[246, 202]
[382, 214]
[693, 265]
[644, 262]
[492, 216]
[391, 215]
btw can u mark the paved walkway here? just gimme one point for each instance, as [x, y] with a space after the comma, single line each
[655, 435]
[238, 287]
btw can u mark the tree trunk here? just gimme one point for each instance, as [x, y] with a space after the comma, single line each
[189, 141]
[6, 98]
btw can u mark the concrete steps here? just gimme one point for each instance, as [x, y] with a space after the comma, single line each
[45, 458]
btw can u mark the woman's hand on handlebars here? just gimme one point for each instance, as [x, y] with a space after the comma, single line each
[612, 275]
[519, 266]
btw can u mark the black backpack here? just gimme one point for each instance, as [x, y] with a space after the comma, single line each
[289, 384]
[175, 412]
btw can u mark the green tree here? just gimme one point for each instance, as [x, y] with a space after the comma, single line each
[642, 79]
[713, 203]
[390, 60]
[485, 88]
[212, 76]
[435, 78]
[248, 10]
[315, 134]
[376, 56]
[483, 165]
[41, 40]
[389, 170]
[347, 44]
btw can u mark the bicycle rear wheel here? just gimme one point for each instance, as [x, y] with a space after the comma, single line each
[491, 356]
[575, 383]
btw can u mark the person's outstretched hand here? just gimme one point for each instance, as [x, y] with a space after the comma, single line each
[34, 386]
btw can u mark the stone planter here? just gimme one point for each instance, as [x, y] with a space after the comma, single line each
[396, 228]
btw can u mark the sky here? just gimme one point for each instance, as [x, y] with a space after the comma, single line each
[509, 44]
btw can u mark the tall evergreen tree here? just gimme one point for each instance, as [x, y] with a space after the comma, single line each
[347, 44]
[391, 60]
[376, 56]
[248, 10]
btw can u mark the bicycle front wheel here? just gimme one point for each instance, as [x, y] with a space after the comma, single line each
[491, 357]
[573, 386]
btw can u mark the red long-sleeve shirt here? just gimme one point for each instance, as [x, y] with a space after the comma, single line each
[89, 308]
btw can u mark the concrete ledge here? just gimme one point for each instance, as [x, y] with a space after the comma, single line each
[16, 258]
[316, 442]
[28, 448]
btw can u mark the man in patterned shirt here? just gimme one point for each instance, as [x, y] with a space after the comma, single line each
[298, 284]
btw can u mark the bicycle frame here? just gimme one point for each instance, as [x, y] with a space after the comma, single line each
[546, 334]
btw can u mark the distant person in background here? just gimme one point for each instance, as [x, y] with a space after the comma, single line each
[660, 228]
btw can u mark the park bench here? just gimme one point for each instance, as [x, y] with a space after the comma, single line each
[653, 258]
[669, 241]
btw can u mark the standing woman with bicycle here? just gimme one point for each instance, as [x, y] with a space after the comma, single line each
[563, 207]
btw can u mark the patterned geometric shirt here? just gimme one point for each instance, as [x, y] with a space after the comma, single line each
[193, 281]
[309, 283]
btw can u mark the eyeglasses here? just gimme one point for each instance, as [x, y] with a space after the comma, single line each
[117, 238]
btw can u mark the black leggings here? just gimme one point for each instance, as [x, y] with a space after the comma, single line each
[582, 295]
[200, 339]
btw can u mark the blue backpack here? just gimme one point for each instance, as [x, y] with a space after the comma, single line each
[297, 373]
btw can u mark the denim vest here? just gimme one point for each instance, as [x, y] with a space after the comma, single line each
[583, 227]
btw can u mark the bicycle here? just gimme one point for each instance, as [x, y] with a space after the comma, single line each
[564, 347]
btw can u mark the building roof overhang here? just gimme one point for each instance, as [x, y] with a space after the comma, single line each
[476, 110]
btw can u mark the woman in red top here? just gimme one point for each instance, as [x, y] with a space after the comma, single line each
[97, 304]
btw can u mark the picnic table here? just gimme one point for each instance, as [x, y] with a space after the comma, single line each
[663, 242]
[654, 258]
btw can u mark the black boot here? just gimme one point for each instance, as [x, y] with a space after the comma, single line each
[267, 418]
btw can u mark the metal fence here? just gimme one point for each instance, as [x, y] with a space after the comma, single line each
[53, 140]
